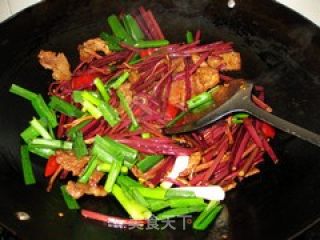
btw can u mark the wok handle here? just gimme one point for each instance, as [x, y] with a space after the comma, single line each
[282, 124]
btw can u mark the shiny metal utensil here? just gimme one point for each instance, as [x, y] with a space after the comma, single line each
[233, 98]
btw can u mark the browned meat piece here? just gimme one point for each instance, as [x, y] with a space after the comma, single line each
[134, 76]
[57, 62]
[194, 160]
[77, 190]
[95, 178]
[203, 79]
[90, 48]
[177, 92]
[230, 61]
[69, 162]
[178, 64]
[195, 58]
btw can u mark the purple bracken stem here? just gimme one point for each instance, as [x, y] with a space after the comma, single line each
[240, 151]
[155, 25]
[252, 131]
[269, 150]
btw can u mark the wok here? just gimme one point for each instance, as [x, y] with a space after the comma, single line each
[277, 204]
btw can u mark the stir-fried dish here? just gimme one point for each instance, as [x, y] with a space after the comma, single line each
[102, 131]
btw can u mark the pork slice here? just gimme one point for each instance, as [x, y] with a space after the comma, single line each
[77, 190]
[230, 61]
[203, 79]
[91, 48]
[69, 162]
[57, 62]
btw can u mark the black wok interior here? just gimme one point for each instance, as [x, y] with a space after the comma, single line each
[280, 50]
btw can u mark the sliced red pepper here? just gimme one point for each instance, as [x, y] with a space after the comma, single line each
[83, 81]
[111, 220]
[51, 166]
[146, 52]
[171, 111]
[268, 130]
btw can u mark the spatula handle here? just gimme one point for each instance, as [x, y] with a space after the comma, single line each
[284, 125]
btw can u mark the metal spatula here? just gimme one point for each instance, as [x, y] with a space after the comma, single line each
[236, 97]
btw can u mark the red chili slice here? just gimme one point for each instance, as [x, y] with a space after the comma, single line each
[83, 81]
[171, 111]
[146, 52]
[268, 130]
[51, 166]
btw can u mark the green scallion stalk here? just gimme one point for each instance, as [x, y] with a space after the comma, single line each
[186, 202]
[28, 175]
[22, 92]
[148, 162]
[177, 212]
[68, 199]
[42, 152]
[207, 215]
[203, 106]
[112, 42]
[176, 119]
[51, 132]
[120, 80]
[153, 193]
[118, 30]
[51, 143]
[79, 146]
[128, 181]
[102, 90]
[92, 165]
[87, 106]
[126, 190]
[117, 150]
[236, 121]
[135, 59]
[126, 107]
[113, 174]
[105, 167]
[90, 97]
[151, 43]
[139, 198]
[109, 113]
[31, 133]
[77, 96]
[241, 115]
[64, 107]
[173, 193]
[77, 127]
[133, 28]
[199, 100]
[106, 157]
[127, 185]
[134, 209]
[189, 37]
[146, 135]
[43, 111]
[156, 205]
[37, 125]
[102, 154]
